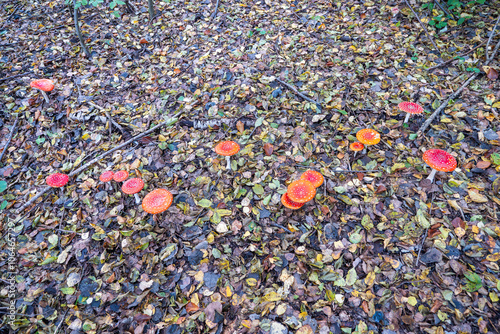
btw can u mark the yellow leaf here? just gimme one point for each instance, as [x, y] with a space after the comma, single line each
[475, 196]
[162, 138]
[493, 257]
[412, 301]
[272, 297]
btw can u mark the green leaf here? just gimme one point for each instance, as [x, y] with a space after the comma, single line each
[351, 277]
[205, 203]
[5, 203]
[259, 121]
[68, 291]
[258, 189]
[216, 253]
[3, 186]
[355, 238]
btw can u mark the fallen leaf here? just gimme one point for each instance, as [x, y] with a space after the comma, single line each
[268, 148]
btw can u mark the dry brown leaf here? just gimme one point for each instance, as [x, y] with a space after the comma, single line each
[268, 148]
[240, 126]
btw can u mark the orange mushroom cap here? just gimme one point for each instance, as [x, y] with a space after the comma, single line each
[368, 136]
[316, 178]
[227, 148]
[356, 146]
[120, 176]
[301, 191]
[43, 84]
[157, 201]
[106, 176]
[411, 107]
[132, 186]
[287, 202]
[57, 180]
[440, 160]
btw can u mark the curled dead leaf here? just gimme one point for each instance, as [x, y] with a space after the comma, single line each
[268, 148]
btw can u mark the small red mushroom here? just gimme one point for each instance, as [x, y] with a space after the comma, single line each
[106, 177]
[356, 146]
[44, 85]
[157, 201]
[120, 176]
[301, 191]
[316, 178]
[368, 136]
[132, 187]
[439, 160]
[227, 149]
[57, 180]
[288, 203]
[410, 108]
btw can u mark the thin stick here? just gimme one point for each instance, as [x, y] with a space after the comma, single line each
[62, 320]
[78, 32]
[493, 32]
[216, 9]
[14, 76]
[454, 95]
[425, 29]
[297, 92]
[107, 114]
[421, 246]
[12, 131]
[169, 122]
[453, 59]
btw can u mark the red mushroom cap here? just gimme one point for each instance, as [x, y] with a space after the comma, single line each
[287, 202]
[440, 160]
[368, 136]
[106, 176]
[316, 178]
[301, 191]
[57, 180]
[227, 148]
[411, 107]
[356, 146]
[120, 176]
[132, 186]
[43, 84]
[157, 201]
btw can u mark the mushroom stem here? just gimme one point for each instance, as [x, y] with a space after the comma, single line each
[431, 175]
[137, 199]
[45, 96]
[228, 166]
[407, 118]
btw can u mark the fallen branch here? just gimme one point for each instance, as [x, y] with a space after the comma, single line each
[167, 123]
[422, 25]
[454, 95]
[216, 9]
[292, 88]
[452, 59]
[12, 131]
[78, 32]
[493, 32]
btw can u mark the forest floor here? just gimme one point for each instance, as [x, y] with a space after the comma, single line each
[378, 250]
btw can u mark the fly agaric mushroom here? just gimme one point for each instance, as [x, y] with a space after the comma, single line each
[288, 203]
[410, 108]
[157, 201]
[439, 160]
[368, 136]
[120, 176]
[356, 146]
[301, 191]
[316, 178]
[106, 177]
[44, 85]
[57, 180]
[227, 149]
[132, 187]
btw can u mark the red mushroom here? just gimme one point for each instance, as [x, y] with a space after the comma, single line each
[132, 187]
[44, 85]
[288, 203]
[439, 160]
[157, 201]
[316, 178]
[301, 191]
[120, 176]
[57, 180]
[356, 146]
[227, 149]
[368, 136]
[106, 177]
[410, 108]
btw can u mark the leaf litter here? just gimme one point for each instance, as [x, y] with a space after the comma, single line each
[379, 249]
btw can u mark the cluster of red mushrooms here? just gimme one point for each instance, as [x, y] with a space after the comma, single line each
[298, 193]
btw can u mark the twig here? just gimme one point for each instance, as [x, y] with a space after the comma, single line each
[455, 58]
[454, 95]
[445, 10]
[111, 121]
[280, 226]
[14, 76]
[421, 246]
[168, 122]
[78, 32]
[297, 92]
[425, 29]
[62, 320]
[12, 131]
[355, 171]
[14, 12]
[216, 9]
[491, 37]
